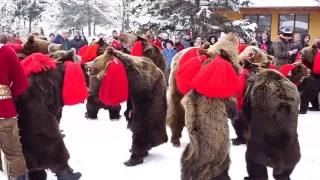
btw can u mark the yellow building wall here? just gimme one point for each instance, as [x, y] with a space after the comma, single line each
[314, 25]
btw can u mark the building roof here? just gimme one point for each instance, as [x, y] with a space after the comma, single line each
[284, 3]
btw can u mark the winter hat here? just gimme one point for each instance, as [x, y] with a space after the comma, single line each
[286, 31]
[51, 34]
[188, 33]
[100, 34]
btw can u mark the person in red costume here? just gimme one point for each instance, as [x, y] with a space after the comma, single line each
[13, 82]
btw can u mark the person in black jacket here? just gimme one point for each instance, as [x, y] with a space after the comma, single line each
[78, 41]
[265, 43]
[295, 45]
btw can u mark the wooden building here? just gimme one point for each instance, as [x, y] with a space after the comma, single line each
[299, 19]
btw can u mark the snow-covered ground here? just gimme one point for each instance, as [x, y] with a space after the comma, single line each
[98, 149]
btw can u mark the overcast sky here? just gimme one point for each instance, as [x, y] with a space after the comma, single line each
[284, 3]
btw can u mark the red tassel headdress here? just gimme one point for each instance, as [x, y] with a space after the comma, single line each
[316, 64]
[114, 87]
[240, 91]
[90, 53]
[137, 49]
[286, 69]
[218, 79]
[15, 47]
[37, 62]
[82, 50]
[74, 89]
[242, 47]
[189, 65]
[271, 66]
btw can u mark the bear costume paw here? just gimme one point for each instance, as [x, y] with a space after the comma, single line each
[261, 178]
[238, 141]
[133, 162]
[86, 115]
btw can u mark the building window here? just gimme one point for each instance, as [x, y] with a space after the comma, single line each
[298, 23]
[263, 22]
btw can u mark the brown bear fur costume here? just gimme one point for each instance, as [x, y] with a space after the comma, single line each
[176, 113]
[93, 104]
[147, 88]
[207, 155]
[40, 110]
[35, 45]
[310, 87]
[254, 55]
[271, 104]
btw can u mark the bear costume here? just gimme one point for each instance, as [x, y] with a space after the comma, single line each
[36, 45]
[270, 105]
[254, 55]
[310, 56]
[192, 59]
[53, 83]
[207, 108]
[93, 105]
[147, 87]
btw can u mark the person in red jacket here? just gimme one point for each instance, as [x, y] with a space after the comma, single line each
[13, 82]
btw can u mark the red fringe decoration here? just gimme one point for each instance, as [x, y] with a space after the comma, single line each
[216, 80]
[17, 40]
[242, 47]
[15, 47]
[37, 62]
[285, 69]
[187, 72]
[114, 87]
[316, 64]
[82, 50]
[137, 49]
[240, 91]
[90, 54]
[271, 66]
[74, 89]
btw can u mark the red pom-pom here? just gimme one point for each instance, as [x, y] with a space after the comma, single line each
[82, 50]
[216, 80]
[90, 53]
[316, 64]
[137, 49]
[15, 47]
[271, 66]
[240, 91]
[114, 87]
[189, 65]
[17, 40]
[74, 89]
[242, 47]
[37, 62]
[286, 69]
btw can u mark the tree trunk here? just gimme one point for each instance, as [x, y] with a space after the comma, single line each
[89, 21]
[30, 22]
[94, 29]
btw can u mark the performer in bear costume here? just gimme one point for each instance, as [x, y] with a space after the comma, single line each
[185, 65]
[207, 155]
[254, 55]
[270, 105]
[310, 56]
[53, 83]
[147, 87]
[93, 105]
[36, 45]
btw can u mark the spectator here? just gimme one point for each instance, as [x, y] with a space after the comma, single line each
[115, 42]
[295, 45]
[165, 40]
[177, 44]
[115, 35]
[51, 37]
[212, 40]
[169, 53]
[242, 41]
[158, 42]
[43, 37]
[305, 38]
[63, 40]
[101, 35]
[13, 83]
[198, 42]
[36, 35]
[186, 42]
[282, 48]
[78, 41]
[265, 43]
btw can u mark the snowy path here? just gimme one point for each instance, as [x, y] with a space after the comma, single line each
[99, 148]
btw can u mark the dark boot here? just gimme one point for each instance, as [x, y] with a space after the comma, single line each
[66, 175]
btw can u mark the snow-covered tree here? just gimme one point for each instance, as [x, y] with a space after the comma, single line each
[7, 15]
[196, 15]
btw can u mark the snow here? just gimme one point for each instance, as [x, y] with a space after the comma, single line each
[275, 3]
[98, 149]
